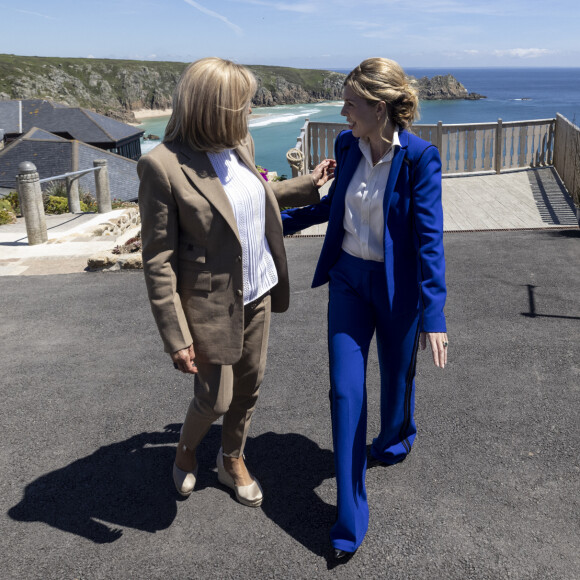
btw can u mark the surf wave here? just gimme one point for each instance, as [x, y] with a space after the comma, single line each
[284, 118]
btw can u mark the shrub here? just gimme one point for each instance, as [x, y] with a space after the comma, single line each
[14, 201]
[88, 200]
[55, 189]
[55, 204]
[118, 204]
[5, 204]
[7, 216]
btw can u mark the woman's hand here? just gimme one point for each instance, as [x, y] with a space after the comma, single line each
[439, 343]
[323, 172]
[184, 360]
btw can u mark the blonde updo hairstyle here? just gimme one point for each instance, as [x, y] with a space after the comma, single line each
[381, 79]
[210, 105]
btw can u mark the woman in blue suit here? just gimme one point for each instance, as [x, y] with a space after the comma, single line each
[383, 259]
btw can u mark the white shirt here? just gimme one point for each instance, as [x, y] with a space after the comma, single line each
[364, 220]
[248, 199]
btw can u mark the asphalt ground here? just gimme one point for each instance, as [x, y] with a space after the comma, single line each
[91, 409]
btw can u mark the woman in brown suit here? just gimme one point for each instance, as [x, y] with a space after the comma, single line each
[214, 259]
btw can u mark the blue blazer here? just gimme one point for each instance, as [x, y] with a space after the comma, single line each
[413, 242]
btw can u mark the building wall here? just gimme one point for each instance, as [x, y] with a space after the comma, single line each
[50, 158]
[122, 173]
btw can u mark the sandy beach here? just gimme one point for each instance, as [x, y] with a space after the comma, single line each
[149, 113]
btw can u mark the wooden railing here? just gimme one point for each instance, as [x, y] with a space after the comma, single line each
[567, 156]
[477, 147]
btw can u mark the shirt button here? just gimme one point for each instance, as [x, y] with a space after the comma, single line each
[239, 293]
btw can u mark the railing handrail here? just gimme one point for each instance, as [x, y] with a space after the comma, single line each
[70, 174]
[464, 147]
[567, 156]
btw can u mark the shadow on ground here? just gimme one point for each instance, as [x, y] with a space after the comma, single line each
[128, 485]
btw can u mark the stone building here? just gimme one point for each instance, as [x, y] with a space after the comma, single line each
[54, 155]
[60, 139]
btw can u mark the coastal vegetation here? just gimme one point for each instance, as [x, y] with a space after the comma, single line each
[118, 87]
[55, 201]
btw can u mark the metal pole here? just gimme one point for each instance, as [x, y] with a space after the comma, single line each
[30, 196]
[102, 186]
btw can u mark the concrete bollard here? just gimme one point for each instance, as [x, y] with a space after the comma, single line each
[102, 186]
[30, 196]
[72, 192]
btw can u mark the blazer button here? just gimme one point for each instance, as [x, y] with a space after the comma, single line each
[239, 259]
[239, 293]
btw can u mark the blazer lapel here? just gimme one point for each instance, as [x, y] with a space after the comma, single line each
[394, 172]
[351, 162]
[396, 164]
[199, 170]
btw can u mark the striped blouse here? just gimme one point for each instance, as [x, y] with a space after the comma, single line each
[248, 199]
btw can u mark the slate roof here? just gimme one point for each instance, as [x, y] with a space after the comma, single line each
[80, 124]
[10, 117]
[36, 134]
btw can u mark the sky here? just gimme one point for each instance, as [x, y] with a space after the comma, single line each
[303, 33]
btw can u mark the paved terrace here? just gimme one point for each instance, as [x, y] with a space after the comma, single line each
[528, 199]
[91, 409]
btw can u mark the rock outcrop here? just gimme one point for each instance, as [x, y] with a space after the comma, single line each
[445, 88]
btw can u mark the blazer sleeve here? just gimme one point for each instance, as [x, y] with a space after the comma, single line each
[428, 225]
[295, 192]
[160, 239]
[295, 220]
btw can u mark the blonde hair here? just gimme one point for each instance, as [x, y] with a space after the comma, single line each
[381, 79]
[210, 105]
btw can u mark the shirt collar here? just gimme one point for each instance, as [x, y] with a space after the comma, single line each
[365, 148]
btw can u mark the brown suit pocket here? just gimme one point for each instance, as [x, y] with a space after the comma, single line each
[192, 253]
[193, 279]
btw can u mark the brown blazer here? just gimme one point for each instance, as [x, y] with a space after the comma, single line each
[192, 255]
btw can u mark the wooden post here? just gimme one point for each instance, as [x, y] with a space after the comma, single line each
[102, 186]
[440, 136]
[306, 146]
[30, 196]
[498, 146]
[72, 192]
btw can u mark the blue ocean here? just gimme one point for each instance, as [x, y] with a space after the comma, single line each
[512, 95]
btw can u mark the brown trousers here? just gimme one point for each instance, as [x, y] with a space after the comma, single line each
[231, 390]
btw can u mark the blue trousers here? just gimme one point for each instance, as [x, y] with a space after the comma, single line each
[356, 309]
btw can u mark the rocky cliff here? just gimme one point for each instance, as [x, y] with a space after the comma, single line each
[118, 87]
[444, 88]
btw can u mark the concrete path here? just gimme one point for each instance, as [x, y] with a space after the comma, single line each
[70, 244]
[91, 409]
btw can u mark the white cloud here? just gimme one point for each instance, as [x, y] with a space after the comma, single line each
[523, 52]
[213, 14]
[30, 13]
